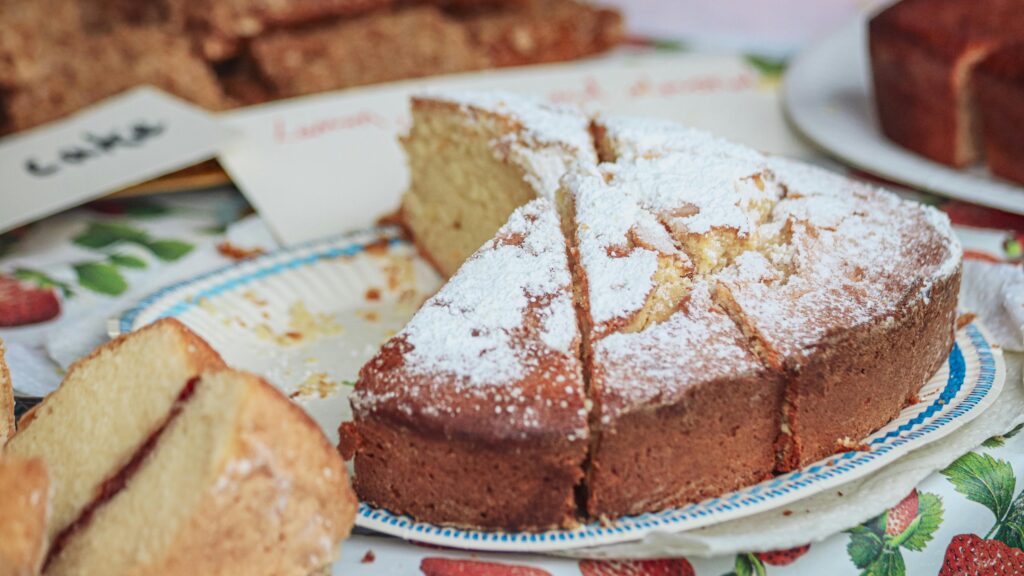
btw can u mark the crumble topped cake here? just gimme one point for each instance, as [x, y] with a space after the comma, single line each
[753, 309]
[475, 414]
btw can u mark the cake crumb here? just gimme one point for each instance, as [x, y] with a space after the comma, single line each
[369, 557]
[965, 319]
[845, 444]
[373, 294]
[238, 253]
[787, 512]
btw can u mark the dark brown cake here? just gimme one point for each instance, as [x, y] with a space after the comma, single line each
[923, 54]
[475, 414]
[999, 92]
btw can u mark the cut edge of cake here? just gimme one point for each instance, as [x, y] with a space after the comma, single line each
[7, 423]
[476, 413]
[490, 151]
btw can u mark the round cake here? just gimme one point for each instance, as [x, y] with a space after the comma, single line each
[683, 318]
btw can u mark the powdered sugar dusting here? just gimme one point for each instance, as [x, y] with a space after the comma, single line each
[469, 328]
[631, 138]
[618, 283]
[699, 343]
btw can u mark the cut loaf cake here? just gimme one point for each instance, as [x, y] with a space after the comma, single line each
[24, 509]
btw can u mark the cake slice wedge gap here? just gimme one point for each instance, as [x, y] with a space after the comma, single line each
[240, 481]
[108, 404]
[476, 157]
[24, 511]
[475, 414]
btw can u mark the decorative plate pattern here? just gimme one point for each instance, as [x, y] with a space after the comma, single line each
[308, 317]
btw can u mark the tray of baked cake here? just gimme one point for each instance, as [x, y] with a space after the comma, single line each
[591, 328]
[59, 57]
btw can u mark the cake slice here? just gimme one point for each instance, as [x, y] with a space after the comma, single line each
[857, 272]
[6, 401]
[107, 406]
[476, 157]
[671, 377]
[923, 56]
[237, 481]
[24, 508]
[475, 414]
[999, 91]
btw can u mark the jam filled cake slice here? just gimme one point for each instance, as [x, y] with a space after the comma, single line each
[475, 414]
[855, 306]
[238, 481]
[671, 377]
[24, 510]
[106, 407]
[476, 157]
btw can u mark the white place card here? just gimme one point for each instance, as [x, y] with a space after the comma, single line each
[330, 163]
[129, 138]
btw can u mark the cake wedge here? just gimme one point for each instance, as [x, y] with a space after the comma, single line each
[475, 414]
[6, 400]
[476, 157]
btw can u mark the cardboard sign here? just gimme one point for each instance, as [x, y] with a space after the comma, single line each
[130, 138]
[329, 163]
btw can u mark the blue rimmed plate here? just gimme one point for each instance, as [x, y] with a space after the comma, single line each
[308, 317]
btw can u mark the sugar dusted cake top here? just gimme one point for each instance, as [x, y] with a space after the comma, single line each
[497, 347]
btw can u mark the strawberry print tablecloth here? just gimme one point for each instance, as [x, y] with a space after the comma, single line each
[61, 279]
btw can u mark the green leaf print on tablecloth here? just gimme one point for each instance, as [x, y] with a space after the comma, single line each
[101, 277]
[985, 480]
[876, 546]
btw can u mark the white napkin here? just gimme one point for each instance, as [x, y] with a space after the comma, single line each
[995, 292]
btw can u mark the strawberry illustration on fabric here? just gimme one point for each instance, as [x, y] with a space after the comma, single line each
[22, 304]
[991, 483]
[756, 563]
[876, 546]
[665, 567]
[436, 566]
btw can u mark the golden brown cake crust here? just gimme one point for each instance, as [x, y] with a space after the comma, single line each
[6, 401]
[24, 509]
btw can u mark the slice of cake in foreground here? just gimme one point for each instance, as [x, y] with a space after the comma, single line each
[107, 406]
[860, 275]
[24, 509]
[476, 414]
[239, 481]
[672, 378]
[6, 400]
[476, 157]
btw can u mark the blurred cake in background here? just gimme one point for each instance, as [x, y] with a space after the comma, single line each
[57, 57]
[941, 69]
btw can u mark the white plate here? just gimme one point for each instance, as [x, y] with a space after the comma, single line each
[254, 314]
[827, 94]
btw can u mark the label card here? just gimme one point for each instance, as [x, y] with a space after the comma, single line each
[130, 138]
[330, 163]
